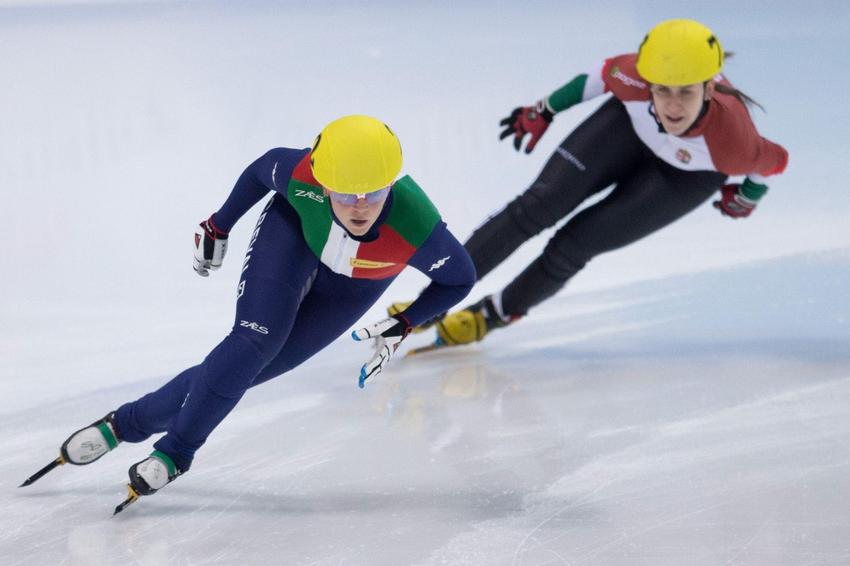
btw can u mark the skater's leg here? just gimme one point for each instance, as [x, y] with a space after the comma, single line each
[603, 150]
[332, 306]
[654, 197]
[138, 420]
[600, 151]
[278, 270]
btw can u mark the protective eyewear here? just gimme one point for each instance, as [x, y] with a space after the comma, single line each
[351, 199]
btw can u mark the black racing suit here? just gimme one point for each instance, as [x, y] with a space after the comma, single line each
[648, 194]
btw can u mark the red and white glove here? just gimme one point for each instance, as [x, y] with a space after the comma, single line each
[524, 120]
[733, 203]
[210, 247]
[387, 334]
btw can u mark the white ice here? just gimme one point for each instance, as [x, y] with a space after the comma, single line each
[684, 401]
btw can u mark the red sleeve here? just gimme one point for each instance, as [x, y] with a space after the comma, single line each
[621, 78]
[735, 145]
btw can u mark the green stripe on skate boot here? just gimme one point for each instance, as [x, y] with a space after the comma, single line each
[165, 459]
[108, 435]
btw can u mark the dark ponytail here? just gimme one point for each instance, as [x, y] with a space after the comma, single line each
[745, 99]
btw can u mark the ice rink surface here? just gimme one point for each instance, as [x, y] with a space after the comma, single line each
[634, 427]
[685, 401]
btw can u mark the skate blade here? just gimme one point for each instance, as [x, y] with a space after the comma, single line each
[132, 497]
[425, 349]
[39, 474]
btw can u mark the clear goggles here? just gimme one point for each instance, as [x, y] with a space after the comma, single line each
[351, 199]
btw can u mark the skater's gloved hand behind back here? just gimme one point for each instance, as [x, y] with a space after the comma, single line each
[739, 200]
[387, 334]
[524, 120]
[210, 247]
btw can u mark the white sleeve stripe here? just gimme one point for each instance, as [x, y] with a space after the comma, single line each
[594, 86]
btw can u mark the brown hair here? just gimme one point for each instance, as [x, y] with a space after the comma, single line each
[745, 99]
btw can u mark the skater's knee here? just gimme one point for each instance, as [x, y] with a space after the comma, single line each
[563, 257]
[232, 366]
[530, 212]
[274, 369]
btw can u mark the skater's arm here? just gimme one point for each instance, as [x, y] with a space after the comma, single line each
[737, 148]
[271, 172]
[447, 263]
[534, 120]
[580, 88]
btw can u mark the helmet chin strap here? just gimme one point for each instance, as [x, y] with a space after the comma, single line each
[655, 117]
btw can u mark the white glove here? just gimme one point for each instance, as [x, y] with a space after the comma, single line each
[387, 334]
[210, 247]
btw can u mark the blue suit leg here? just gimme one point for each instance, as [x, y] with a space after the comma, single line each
[335, 302]
[278, 269]
[138, 420]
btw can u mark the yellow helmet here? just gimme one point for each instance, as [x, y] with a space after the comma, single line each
[678, 53]
[356, 154]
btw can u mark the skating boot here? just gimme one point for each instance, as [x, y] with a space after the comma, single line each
[149, 476]
[465, 326]
[471, 324]
[83, 447]
[90, 443]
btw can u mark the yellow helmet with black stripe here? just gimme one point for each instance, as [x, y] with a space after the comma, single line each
[678, 53]
[356, 154]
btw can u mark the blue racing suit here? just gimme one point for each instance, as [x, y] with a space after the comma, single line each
[291, 303]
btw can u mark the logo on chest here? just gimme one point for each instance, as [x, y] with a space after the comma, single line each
[368, 263]
[683, 155]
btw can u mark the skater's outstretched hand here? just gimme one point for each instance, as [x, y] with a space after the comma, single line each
[387, 335]
[524, 120]
[210, 247]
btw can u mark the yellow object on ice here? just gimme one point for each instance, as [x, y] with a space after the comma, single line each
[462, 327]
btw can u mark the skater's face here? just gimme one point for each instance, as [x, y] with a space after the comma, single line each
[358, 212]
[678, 107]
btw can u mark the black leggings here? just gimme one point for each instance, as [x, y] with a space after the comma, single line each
[604, 150]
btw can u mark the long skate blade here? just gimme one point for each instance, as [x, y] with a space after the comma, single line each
[39, 474]
[132, 496]
[425, 349]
